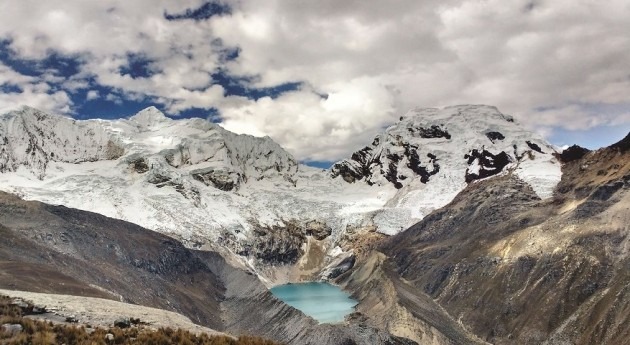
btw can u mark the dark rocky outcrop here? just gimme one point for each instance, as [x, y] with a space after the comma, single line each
[277, 244]
[280, 244]
[343, 266]
[357, 168]
[623, 145]
[139, 165]
[391, 175]
[488, 164]
[158, 179]
[534, 146]
[216, 178]
[122, 323]
[495, 136]
[363, 164]
[430, 132]
[319, 230]
[572, 153]
[411, 152]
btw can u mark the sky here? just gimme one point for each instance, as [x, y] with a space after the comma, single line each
[322, 78]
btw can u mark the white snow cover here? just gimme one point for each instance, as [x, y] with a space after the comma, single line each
[467, 127]
[193, 179]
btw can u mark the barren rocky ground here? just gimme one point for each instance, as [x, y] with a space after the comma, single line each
[509, 267]
[99, 312]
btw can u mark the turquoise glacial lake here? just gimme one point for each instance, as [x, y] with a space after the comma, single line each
[324, 302]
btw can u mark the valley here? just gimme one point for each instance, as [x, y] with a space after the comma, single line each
[443, 229]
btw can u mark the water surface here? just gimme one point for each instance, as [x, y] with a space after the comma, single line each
[324, 302]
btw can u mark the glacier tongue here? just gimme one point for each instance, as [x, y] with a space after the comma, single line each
[205, 185]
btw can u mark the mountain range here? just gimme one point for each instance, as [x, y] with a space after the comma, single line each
[467, 224]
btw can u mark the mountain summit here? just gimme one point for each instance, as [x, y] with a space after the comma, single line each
[150, 117]
[469, 141]
[431, 154]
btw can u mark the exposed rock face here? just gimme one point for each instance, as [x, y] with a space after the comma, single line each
[281, 244]
[429, 132]
[623, 145]
[573, 153]
[139, 165]
[218, 179]
[338, 267]
[363, 163]
[534, 146]
[278, 244]
[494, 136]
[389, 303]
[318, 229]
[512, 268]
[482, 164]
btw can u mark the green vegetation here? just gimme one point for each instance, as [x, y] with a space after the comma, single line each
[37, 332]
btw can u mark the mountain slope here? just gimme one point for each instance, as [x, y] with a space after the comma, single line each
[246, 196]
[516, 269]
[87, 254]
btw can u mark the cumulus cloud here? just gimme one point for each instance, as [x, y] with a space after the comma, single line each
[552, 64]
[316, 127]
[29, 90]
[92, 95]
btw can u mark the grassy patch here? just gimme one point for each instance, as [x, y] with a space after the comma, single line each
[37, 332]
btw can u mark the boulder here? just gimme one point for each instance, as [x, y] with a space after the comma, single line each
[12, 328]
[317, 229]
[122, 323]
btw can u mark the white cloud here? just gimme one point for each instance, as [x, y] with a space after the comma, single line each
[92, 95]
[32, 92]
[113, 98]
[374, 59]
[518, 55]
[57, 102]
[9, 76]
[313, 127]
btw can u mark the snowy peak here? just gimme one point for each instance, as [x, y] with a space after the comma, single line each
[148, 142]
[149, 118]
[32, 138]
[201, 150]
[463, 143]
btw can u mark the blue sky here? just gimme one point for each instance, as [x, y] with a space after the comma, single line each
[322, 78]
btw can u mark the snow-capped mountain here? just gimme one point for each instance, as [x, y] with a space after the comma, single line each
[194, 180]
[431, 154]
[32, 138]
